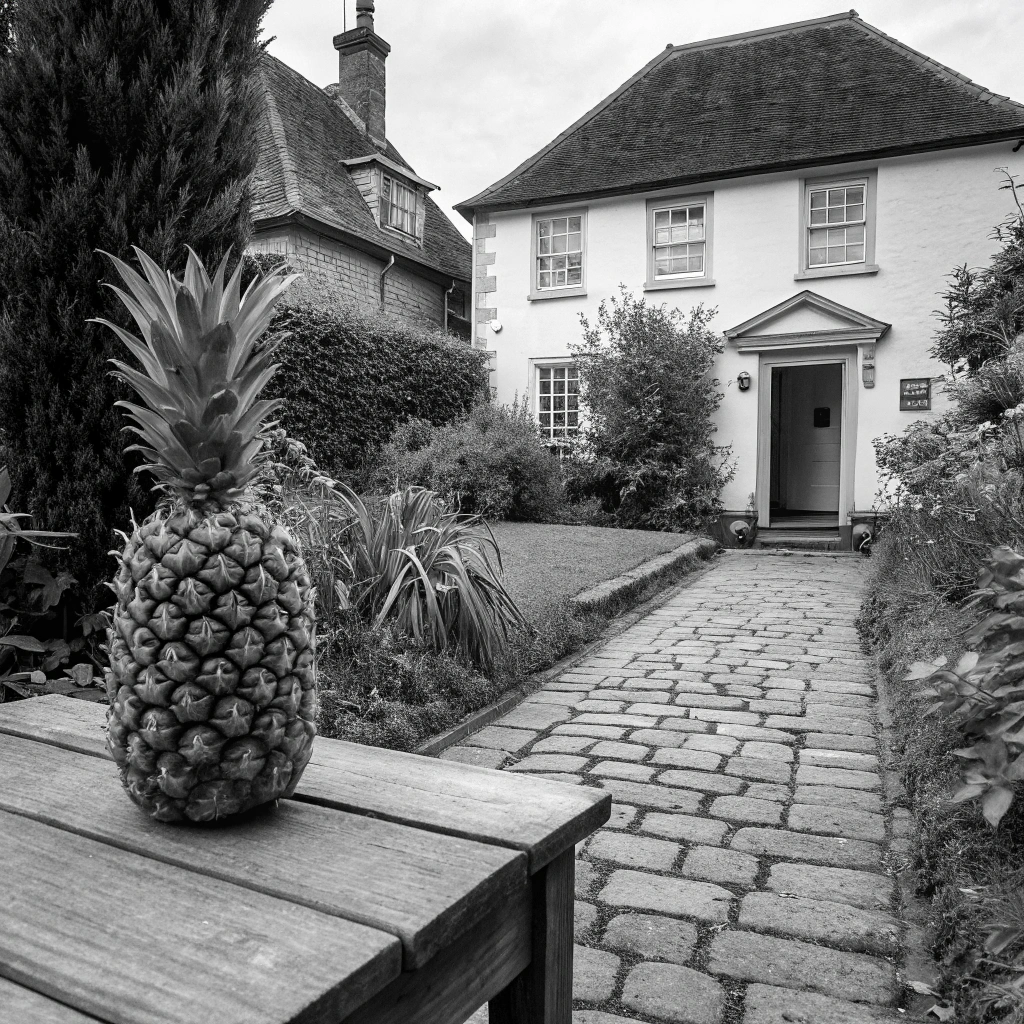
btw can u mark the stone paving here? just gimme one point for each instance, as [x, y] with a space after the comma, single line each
[741, 877]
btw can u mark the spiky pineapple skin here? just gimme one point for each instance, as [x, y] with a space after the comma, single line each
[212, 682]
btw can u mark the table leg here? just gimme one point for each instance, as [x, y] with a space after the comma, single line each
[542, 994]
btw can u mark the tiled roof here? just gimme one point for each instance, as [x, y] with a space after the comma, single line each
[810, 93]
[304, 136]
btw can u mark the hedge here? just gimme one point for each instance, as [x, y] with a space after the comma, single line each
[350, 379]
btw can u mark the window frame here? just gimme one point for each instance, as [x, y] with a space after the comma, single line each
[388, 204]
[866, 179]
[568, 290]
[702, 280]
[537, 366]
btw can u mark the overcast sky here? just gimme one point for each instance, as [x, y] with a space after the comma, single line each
[475, 86]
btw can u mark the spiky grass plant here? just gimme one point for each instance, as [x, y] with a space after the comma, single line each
[211, 681]
[436, 574]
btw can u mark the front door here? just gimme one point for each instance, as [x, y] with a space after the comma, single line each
[806, 438]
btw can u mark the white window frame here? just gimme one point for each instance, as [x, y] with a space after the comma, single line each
[386, 205]
[537, 369]
[868, 181]
[702, 279]
[536, 292]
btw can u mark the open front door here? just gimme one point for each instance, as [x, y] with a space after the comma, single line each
[806, 438]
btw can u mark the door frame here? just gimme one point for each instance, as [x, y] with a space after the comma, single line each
[768, 361]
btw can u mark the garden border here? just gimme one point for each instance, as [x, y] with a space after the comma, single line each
[602, 598]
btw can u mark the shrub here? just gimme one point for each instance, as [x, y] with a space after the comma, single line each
[351, 378]
[648, 446]
[120, 124]
[492, 464]
[436, 575]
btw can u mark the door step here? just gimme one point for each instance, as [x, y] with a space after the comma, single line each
[799, 540]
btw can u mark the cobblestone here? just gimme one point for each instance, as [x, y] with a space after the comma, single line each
[740, 875]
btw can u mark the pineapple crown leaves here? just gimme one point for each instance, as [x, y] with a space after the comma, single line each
[202, 372]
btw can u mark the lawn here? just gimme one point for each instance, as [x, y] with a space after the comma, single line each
[544, 563]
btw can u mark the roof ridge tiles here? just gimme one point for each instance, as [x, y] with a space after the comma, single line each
[737, 38]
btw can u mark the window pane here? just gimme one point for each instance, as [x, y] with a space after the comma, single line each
[558, 403]
[837, 236]
[558, 226]
[544, 374]
[817, 257]
[558, 243]
[558, 419]
[836, 214]
[837, 255]
[855, 212]
[544, 279]
[545, 403]
[572, 419]
[678, 216]
[662, 235]
[545, 244]
[818, 200]
[544, 228]
[818, 237]
[854, 253]
[662, 267]
[559, 373]
[696, 213]
[574, 277]
[661, 218]
[575, 242]
[855, 233]
[695, 264]
[574, 259]
[855, 194]
[837, 197]
[575, 223]
[558, 263]
[817, 216]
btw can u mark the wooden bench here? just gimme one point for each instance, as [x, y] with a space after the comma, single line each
[392, 887]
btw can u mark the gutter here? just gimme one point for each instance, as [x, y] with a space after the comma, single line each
[383, 274]
[446, 294]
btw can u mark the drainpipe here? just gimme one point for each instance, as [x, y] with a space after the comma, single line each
[446, 294]
[383, 274]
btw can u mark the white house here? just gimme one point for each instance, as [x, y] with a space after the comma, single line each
[815, 183]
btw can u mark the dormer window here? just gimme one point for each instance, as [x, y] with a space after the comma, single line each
[396, 196]
[398, 206]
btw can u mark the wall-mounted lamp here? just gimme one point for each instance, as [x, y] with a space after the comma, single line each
[495, 325]
[743, 380]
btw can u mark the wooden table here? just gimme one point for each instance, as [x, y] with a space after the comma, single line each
[392, 887]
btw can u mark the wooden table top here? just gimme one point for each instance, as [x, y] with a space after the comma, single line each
[381, 860]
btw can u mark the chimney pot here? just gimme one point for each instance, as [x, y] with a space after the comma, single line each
[361, 80]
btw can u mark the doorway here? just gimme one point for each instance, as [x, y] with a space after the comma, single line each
[806, 444]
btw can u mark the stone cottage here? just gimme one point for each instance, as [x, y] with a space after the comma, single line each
[336, 197]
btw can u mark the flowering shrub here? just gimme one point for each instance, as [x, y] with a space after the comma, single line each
[984, 692]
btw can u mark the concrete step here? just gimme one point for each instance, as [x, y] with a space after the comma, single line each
[799, 540]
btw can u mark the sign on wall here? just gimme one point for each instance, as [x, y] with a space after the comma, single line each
[915, 394]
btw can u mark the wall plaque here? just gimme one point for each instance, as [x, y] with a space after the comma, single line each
[915, 394]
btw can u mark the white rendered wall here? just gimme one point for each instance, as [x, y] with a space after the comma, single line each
[933, 212]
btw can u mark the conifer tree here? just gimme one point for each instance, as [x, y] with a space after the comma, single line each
[122, 122]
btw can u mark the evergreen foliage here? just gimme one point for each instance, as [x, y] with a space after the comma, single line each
[350, 378]
[122, 122]
[983, 309]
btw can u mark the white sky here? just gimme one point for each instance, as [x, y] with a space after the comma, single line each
[475, 86]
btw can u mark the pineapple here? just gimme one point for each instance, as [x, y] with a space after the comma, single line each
[211, 680]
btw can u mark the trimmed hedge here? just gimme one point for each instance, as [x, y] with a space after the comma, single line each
[350, 379]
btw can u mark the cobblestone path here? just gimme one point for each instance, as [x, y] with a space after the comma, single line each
[742, 874]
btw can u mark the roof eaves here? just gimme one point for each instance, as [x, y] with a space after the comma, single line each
[941, 70]
[752, 170]
[466, 207]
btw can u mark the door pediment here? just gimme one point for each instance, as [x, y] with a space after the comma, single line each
[806, 320]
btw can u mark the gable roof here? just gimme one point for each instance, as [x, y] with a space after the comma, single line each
[304, 137]
[815, 92]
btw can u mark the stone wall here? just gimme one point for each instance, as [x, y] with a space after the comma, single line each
[353, 276]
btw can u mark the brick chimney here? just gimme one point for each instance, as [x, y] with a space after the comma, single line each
[361, 56]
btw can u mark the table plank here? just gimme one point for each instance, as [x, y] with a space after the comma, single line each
[20, 1005]
[467, 974]
[423, 887]
[539, 817]
[136, 941]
